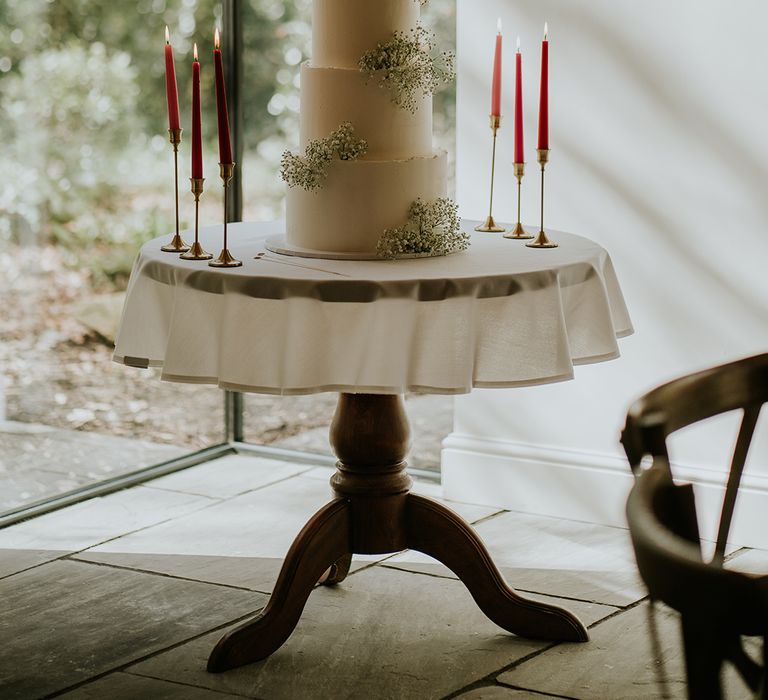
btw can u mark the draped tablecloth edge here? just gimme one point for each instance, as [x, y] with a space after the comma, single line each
[618, 319]
[146, 363]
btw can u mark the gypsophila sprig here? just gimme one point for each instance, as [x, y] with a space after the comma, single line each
[309, 171]
[408, 67]
[433, 228]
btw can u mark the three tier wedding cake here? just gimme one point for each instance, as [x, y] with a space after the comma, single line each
[366, 180]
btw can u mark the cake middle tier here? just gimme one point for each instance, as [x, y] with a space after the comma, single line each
[331, 96]
[359, 200]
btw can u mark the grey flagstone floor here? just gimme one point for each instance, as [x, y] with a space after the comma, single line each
[123, 597]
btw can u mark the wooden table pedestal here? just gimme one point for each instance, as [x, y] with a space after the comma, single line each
[374, 512]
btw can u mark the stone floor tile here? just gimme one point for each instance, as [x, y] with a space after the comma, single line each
[320, 473]
[252, 532]
[99, 519]
[65, 622]
[126, 686]
[14, 560]
[381, 634]
[228, 476]
[558, 557]
[588, 613]
[620, 662]
[469, 511]
[500, 692]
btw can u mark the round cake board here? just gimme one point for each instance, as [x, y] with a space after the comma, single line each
[278, 244]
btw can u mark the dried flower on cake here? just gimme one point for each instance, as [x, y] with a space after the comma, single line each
[309, 171]
[433, 228]
[408, 67]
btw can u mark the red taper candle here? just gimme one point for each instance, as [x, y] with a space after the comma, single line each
[225, 145]
[496, 85]
[197, 135]
[544, 94]
[171, 91]
[519, 148]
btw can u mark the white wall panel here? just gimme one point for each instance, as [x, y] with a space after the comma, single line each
[658, 114]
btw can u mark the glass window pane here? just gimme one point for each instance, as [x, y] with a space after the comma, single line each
[88, 180]
[84, 130]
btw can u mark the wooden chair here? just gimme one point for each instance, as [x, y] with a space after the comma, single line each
[717, 606]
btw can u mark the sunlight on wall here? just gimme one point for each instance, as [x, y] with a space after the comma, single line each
[659, 153]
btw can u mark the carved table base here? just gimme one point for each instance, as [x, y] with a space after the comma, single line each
[375, 513]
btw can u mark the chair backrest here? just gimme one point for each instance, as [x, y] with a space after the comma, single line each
[662, 524]
[738, 385]
[717, 605]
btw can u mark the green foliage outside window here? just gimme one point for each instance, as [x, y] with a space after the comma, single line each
[83, 126]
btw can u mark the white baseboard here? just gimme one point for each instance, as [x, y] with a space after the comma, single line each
[590, 487]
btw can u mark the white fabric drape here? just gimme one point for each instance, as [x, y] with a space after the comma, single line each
[498, 315]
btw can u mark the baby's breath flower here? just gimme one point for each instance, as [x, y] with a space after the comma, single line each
[309, 171]
[432, 228]
[408, 67]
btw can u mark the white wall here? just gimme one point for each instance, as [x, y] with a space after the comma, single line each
[659, 137]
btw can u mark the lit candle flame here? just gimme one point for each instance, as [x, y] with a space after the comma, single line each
[518, 43]
[498, 25]
[194, 51]
[167, 35]
[216, 38]
[546, 31]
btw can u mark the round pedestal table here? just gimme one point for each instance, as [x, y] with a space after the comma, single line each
[497, 315]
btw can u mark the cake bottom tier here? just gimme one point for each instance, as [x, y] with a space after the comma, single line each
[359, 200]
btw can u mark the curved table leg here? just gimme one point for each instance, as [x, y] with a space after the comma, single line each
[435, 530]
[322, 543]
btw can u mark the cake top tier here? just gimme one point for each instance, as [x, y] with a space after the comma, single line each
[343, 30]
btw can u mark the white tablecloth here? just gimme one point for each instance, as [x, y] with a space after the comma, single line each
[498, 315]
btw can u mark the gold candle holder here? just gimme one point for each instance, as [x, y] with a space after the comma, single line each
[177, 244]
[519, 232]
[542, 240]
[196, 252]
[225, 259]
[490, 225]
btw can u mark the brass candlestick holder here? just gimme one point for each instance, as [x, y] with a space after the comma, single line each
[177, 244]
[490, 224]
[542, 240]
[197, 252]
[519, 232]
[225, 259]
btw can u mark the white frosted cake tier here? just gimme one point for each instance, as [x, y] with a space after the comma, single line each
[343, 30]
[359, 200]
[331, 96]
